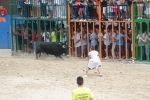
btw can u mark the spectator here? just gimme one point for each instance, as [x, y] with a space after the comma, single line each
[19, 36]
[35, 39]
[36, 8]
[139, 46]
[71, 2]
[50, 8]
[129, 41]
[77, 42]
[84, 41]
[104, 7]
[93, 38]
[27, 8]
[147, 5]
[25, 40]
[80, 12]
[143, 39]
[30, 39]
[19, 6]
[43, 8]
[90, 9]
[85, 9]
[106, 43]
[81, 92]
[119, 3]
[46, 36]
[140, 5]
[53, 35]
[58, 9]
[76, 3]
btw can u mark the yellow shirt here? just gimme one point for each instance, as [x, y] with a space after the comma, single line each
[53, 36]
[82, 94]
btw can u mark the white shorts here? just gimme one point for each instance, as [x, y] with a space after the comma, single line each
[94, 64]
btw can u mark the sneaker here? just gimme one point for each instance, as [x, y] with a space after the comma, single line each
[100, 75]
[81, 20]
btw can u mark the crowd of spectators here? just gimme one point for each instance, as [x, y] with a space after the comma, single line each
[42, 8]
[113, 39]
[111, 9]
[29, 34]
[84, 9]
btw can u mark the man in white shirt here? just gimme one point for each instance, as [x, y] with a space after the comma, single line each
[46, 36]
[77, 43]
[94, 61]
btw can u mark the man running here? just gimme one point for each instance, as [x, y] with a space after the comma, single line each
[94, 61]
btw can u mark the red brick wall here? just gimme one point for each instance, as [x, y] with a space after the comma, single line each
[5, 4]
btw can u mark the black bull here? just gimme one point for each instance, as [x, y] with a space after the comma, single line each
[53, 48]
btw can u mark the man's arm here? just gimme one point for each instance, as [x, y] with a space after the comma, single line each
[91, 99]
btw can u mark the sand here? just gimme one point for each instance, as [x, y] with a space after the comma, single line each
[25, 78]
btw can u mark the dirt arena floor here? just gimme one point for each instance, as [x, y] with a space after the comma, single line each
[25, 78]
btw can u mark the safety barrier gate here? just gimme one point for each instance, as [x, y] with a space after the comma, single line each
[142, 32]
[33, 22]
[113, 38]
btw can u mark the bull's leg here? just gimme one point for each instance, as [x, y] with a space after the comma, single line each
[36, 56]
[39, 55]
[60, 57]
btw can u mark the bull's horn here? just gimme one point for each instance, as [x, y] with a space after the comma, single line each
[63, 46]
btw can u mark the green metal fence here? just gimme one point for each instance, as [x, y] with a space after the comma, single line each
[141, 35]
[33, 22]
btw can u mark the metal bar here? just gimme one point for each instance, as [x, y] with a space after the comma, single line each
[113, 44]
[81, 38]
[126, 43]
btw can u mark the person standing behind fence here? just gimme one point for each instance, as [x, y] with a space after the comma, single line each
[46, 35]
[53, 35]
[19, 6]
[43, 8]
[93, 38]
[106, 43]
[81, 93]
[129, 41]
[35, 39]
[25, 40]
[77, 42]
[36, 8]
[58, 8]
[140, 5]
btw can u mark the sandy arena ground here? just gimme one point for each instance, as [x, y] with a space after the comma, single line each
[25, 78]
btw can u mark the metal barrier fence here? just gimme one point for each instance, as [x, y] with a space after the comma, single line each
[141, 31]
[112, 37]
[142, 41]
[33, 22]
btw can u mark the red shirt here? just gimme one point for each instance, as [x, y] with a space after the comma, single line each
[35, 36]
[3, 10]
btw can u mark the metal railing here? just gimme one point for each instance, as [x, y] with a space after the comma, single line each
[32, 23]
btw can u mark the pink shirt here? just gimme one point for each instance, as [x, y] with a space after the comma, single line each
[25, 34]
